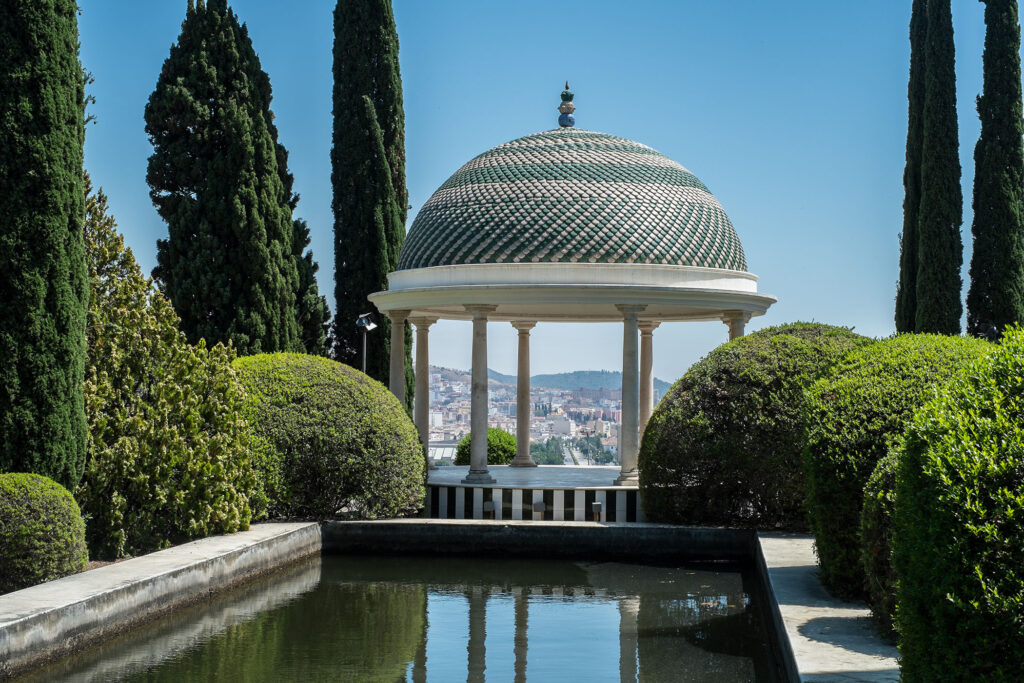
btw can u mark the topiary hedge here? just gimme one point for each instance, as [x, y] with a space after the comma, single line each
[170, 454]
[501, 448]
[723, 446]
[854, 414]
[876, 542]
[342, 443]
[42, 535]
[959, 537]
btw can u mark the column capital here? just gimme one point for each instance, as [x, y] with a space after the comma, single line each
[524, 326]
[648, 326]
[631, 310]
[729, 317]
[422, 321]
[480, 310]
[398, 315]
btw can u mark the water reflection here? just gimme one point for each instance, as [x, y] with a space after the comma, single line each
[417, 619]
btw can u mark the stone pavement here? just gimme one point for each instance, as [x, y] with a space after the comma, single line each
[832, 640]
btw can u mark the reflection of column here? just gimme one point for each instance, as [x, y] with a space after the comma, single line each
[396, 381]
[735, 321]
[523, 410]
[421, 409]
[477, 634]
[419, 665]
[629, 607]
[478, 400]
[629, 428]
[646, 372]
[522, 617]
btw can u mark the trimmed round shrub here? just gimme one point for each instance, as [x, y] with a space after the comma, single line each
[342, 445]
[876, 542]
[854, 415]
[958, 545]
[723, 446]
[501, 448]
[42, 535]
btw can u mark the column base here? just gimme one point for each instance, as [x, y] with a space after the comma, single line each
[528, 462]
[628, 479]
[479, 478]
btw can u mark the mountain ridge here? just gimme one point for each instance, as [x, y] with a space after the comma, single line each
[566, 381]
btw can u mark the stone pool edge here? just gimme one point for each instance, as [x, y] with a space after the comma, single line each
[49, 621]
[45, 622]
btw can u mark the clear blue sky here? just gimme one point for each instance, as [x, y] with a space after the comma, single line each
[792, 112]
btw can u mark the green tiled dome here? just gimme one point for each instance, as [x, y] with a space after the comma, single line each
[572, 196]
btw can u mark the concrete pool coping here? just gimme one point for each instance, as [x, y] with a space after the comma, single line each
[817, 638]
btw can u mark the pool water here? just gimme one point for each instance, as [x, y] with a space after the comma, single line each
[400, 618]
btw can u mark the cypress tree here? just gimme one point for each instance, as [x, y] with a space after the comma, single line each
[996, 295]
[366, 64]
[43, 278]
[906, 293]
[228, 265]
[939, 251]
[311, 307]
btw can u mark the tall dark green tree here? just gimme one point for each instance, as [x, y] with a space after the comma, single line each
[312, 311]
[366, 64]
[229, 265]
[906, 293]
[939, 247]
[996, 295]
[44, 286]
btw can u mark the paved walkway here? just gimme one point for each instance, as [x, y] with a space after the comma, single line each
[832, 640]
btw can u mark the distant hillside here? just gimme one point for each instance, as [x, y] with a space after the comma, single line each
[581, 379]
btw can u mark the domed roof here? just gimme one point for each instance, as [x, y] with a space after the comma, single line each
[572, 196]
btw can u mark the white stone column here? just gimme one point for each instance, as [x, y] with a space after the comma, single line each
[396, 378]
[523, 408]
[478, 473]
[421, 402]
[630, 425]
[647, 328]
[735, 321]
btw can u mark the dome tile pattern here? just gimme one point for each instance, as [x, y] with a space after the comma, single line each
[572, 196]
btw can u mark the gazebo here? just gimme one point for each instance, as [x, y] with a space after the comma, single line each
[565, 225]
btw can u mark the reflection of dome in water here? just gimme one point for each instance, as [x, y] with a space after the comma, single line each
[572, 196]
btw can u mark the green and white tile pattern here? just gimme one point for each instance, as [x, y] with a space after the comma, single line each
[572, 196]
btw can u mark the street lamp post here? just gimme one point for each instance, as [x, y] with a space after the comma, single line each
[366, 324]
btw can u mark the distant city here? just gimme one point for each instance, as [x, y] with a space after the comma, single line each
[567, 406]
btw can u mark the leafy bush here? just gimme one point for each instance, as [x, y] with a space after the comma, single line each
[501, 448]
[342, 443]
[723, 446]
[42, 535]
[546, 453]
[959, 537]
[876, 541]
[854, 415]
[169, 450]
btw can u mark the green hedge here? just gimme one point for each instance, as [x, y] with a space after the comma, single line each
[341, 444]
[854, 415]
[876, 542]
[723, 446]
[42, 535]
[959, 526]
[170, 453]
[501, 448]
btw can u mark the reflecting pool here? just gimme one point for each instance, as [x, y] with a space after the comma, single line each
[400, 618]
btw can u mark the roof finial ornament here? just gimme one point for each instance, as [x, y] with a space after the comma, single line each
[566, 108]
